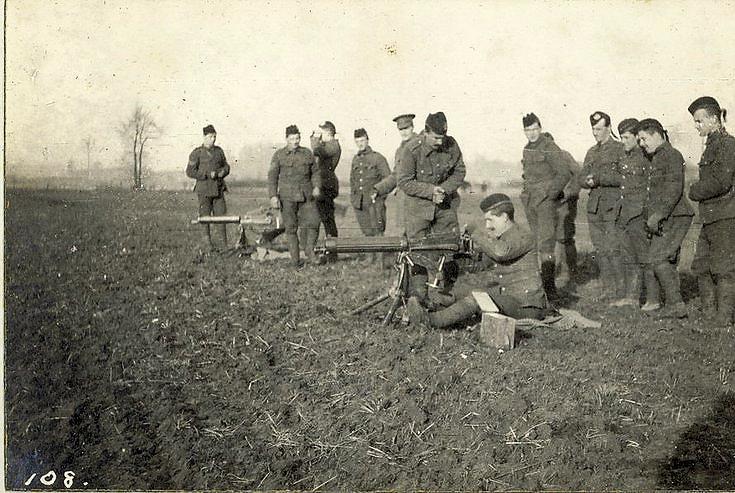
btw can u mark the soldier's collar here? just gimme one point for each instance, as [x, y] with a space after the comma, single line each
[367, 150]
[715, 136]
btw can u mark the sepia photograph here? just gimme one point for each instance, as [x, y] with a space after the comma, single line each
[337, 245]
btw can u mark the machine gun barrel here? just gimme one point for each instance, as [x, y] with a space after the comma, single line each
[255, 221]
[372, 244]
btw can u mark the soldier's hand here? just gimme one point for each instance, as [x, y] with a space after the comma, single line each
[652, 224]
[439, 195]
[373, 196]
[590, 181]
[213, 175]
[275, 203]
[316, 192]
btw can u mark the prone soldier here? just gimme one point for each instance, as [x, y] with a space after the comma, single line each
[429, 170]
[545, 175]
[714, 259]
[600, 174]
[370, 181]
[208, 166]
[514, 284]
[669, 214]
[327, 153]
[293, 184]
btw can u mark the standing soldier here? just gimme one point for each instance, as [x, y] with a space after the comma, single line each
[429, 170]
[370, 181]
[566, 228]
[545, 174]
[293, 184]
[631, 220]
[669, 214]
[327, 152]
[714, 260]
[406, 131]
[208, 166]
[600, 174]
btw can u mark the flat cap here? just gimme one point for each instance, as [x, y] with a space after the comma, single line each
[599, 115]
[628, 125]
[437, 123]
[530, 119]
[360, 132]
[292, 130]
[704, 102]
[209, 129]
[329, 126]
[493, 201]
[404, 121]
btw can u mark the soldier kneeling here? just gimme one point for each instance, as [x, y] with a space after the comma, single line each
[514, 284]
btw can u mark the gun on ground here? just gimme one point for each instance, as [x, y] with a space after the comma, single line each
[431, 252]
[266, 222]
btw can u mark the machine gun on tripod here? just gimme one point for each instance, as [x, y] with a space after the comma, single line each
[431, 252]
[264, 221]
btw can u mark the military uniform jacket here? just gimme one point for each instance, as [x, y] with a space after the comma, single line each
[420, 168]
[516, 270]
[545, 170]
[202, 162]
[572, 188]
[369, 169]
[635, 173]
[602, 161]
[715, 190]
[293, 174]
[666, 189]
[327, 156]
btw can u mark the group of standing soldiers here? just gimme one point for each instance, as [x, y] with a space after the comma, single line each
[637, 211]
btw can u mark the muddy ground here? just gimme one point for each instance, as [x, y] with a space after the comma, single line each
[137, 368]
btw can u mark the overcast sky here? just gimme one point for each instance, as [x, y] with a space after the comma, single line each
[77, 68]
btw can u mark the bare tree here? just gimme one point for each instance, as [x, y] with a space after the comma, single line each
[136, 132]
[88, 145]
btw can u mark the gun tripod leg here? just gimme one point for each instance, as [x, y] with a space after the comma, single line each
[370, 304]
[397, 301]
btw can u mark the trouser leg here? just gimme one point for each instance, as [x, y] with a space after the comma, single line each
[205, 209]
[725, 290]
[219, 208]
[290, 223]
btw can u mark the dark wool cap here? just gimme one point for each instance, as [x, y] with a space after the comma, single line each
[599, 115]
[494, 200]
[209, 129]
[404, 121]
[360, 132]
[649, 124]
[329, 126]
[530, 119]
[704, 102]
[628, 125]
[291, 130]
[437, 123]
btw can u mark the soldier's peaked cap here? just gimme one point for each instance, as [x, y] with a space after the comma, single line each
[209, 129]
[599, 115]
[493, 201]
[704, 102]
[437, 123]
[404, 121]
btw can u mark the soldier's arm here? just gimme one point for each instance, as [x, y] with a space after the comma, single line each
[316, 177]
[406, 177]
[720, 178]
[273, 172]
[561, 172]
[387, 179]
[225, 166]
[671, 186]
[192, 168]
[501, 249]
[586, 170]
[455, 180]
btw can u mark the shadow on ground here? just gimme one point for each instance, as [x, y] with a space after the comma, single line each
[704, 456]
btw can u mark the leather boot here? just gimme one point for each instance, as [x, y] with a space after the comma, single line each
[652, 289]
[668, 277]
[330, 257]
[206, 240]
[725, 291]
[292, 239]
[417, 285]
[706, 294]
[311, 236]
[458, 312]
[570, 254]
[547, 279]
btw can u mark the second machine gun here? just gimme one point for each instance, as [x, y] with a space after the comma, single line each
[431, 252]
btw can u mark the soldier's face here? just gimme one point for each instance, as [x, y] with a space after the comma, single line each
[601, 131]
[629, 141]
[650, 141]
[293, 141]
[434, 140]
[361, 143]
[327, 135]
[533, 132]
[406, 132]
[209, 140]
[704, 122]
[496, 224]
